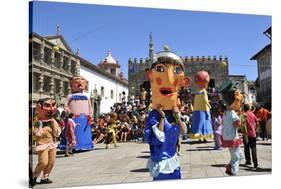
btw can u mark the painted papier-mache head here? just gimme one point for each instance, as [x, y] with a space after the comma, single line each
[202, 79]
[231, 96]
[46, 109]
[78, 84]
[166, 77]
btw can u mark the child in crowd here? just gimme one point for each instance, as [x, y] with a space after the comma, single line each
[124, 127]
[134, 128]
[217, 128]
[70, 134]
[111, 131]
[100, 130]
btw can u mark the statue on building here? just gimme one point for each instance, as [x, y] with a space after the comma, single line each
[201, 127]
[79, 104]
[163, 125]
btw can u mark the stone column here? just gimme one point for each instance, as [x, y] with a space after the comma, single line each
[42, 51]
[40, 83]
[77, 67]
[60, 88]
[69, 65]
[52, 86]
[61, 60]
[68, 88]
[52, 58]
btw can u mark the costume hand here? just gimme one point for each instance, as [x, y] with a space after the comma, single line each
[53, 122]
[159, 109]
[176, 112]
[39, 132]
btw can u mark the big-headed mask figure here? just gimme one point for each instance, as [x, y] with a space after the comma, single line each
[46, 132]
[78, 84]
[166, 77]
[46, 108]
[163, 124]
[231, 96]
[79, 104]
[202, 79]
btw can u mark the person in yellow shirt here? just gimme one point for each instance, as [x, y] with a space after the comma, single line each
[111, 135]
[201, 127]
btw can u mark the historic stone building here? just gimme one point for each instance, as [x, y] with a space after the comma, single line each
[50, 67]
[263, 58]
[52, 64]
[216, 66]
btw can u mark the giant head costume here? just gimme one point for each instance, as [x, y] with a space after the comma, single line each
[231, 95]
[166, 77]
[46, 109]
[78, 84]
[202, 79]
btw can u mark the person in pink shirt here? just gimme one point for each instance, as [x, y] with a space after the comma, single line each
[250, 144]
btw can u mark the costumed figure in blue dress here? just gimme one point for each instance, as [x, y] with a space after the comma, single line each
[163, 125]
[201, 127]
[79, 104]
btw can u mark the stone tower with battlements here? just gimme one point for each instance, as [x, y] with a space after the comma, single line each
[217, 68]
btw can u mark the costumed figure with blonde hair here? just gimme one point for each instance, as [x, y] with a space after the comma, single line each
[79, 104]
[46, 130]
[201, 127]
[232, 98]
[163, 125]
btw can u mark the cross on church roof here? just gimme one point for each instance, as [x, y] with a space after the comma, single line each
[58, 30]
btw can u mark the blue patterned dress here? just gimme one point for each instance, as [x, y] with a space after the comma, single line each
[163, 163]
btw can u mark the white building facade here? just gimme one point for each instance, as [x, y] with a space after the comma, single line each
[105, 87]
[109, 91]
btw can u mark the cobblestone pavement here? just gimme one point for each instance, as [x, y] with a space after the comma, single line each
[126, 164]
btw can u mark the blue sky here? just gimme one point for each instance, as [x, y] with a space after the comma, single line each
[95, 29]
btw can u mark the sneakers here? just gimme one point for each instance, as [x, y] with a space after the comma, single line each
[67, 155]
[228, 169]
[229, 172]
[46, 181]
[248, 163]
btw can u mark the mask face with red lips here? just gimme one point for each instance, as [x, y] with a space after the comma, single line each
[166, 77]
[46, 109]
[78, 84]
